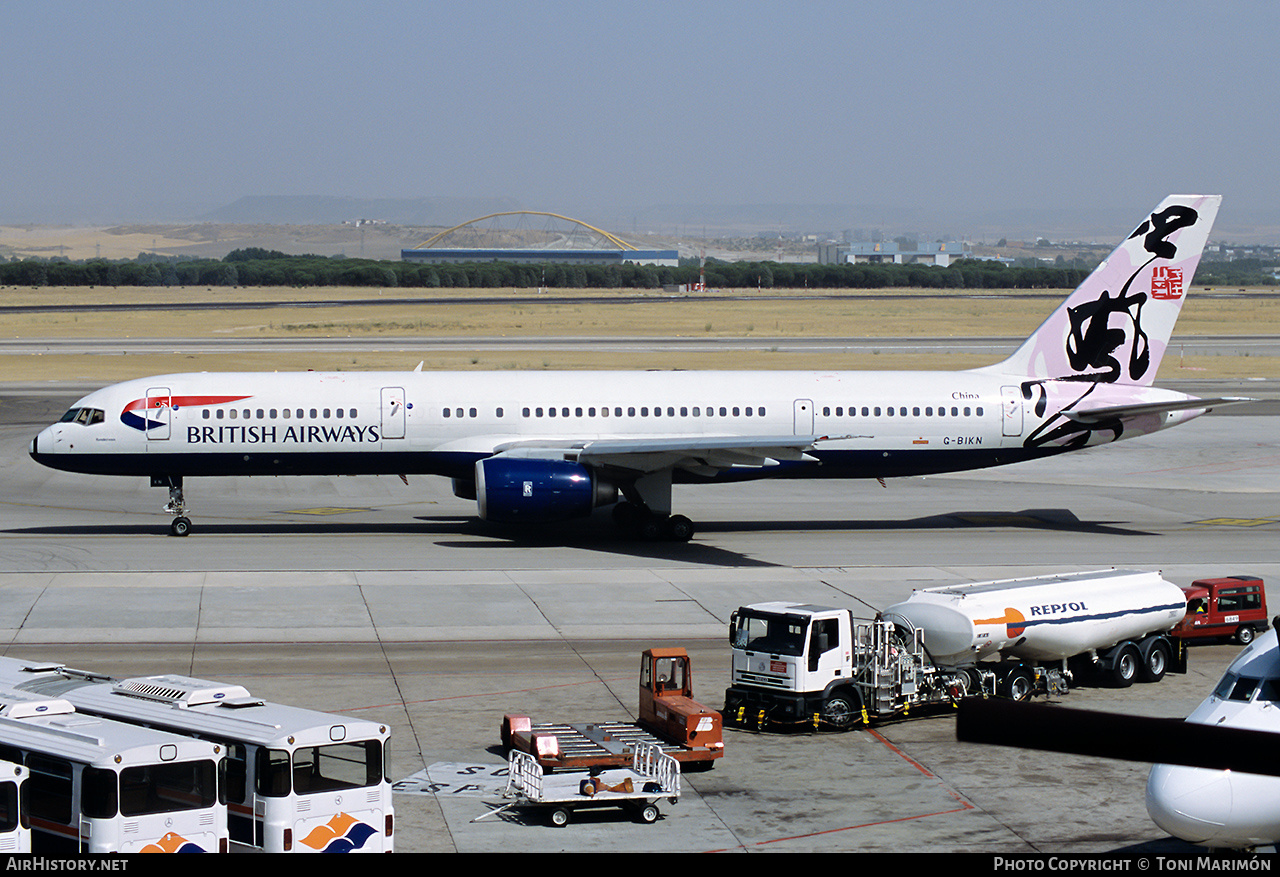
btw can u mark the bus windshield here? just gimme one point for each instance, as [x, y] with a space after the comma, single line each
[168, 788]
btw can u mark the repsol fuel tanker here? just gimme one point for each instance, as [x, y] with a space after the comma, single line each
[1045, 618]
[800, 663]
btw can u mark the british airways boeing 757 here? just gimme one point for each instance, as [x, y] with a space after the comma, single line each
[539, 446]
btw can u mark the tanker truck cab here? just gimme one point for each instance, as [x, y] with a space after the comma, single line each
[792, 661]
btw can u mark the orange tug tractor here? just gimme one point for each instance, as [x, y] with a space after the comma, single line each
[669, 717]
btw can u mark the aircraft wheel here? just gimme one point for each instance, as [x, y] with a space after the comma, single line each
[679, 528]
[652, 529]
[626, 515]
[180, 526]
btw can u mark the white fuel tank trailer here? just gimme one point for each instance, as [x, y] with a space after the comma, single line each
[1045, 618]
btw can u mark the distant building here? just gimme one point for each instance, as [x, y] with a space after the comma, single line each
[440, 255]
[889, 252]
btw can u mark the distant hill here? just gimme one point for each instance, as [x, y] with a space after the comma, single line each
[333, 210]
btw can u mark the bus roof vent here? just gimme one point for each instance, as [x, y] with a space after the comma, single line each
[180, 690]
[25, 705]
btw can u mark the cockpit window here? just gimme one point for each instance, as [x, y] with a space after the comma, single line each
[1234, 687]
[84, 416]
[1270, 690]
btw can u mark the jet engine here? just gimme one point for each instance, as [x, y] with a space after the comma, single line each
[520, 490]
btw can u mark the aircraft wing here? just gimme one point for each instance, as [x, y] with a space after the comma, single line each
[704, 455]
[1112, 412]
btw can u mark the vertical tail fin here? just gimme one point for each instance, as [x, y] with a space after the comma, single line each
[1116, 325]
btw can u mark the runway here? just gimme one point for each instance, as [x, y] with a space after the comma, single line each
[367, 596]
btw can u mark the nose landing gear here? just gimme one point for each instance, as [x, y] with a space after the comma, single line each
[176, 506]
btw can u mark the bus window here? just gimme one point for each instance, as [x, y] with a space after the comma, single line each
[340, 766]
[99, 793]
[49, 788]
[168, 788]
[9, 816]
[235, 778]
[273, 773]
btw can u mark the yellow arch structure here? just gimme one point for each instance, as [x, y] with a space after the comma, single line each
[611, 238]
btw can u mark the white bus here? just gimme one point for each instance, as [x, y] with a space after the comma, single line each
[297, 780]
[95, 785]
[15, 827]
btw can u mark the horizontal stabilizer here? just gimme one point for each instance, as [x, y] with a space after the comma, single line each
[1121, 412]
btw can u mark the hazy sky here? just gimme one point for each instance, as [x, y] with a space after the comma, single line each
[133, 110]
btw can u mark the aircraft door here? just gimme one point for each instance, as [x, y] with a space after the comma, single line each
[393, 412]
[1011, 408]
[804, 417]
[157, 416]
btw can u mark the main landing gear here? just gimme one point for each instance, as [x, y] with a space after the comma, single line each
[650, 526]
[176, 506]
[646, 511]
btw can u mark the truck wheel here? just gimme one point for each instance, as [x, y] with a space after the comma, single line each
[1125, 667]
[560, 817]
[648, 814]
[1017, 685]
[840, 711]
[1156, 664]
[1244, 635]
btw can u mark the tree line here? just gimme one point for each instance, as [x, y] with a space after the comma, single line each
[257, 267]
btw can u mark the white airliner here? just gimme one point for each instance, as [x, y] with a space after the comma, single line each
[1216, 776]
[1227, 808]
[539, 446]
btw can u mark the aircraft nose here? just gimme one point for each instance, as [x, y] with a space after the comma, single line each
[1190, 803]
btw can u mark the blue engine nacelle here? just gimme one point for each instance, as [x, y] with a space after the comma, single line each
[525, 490]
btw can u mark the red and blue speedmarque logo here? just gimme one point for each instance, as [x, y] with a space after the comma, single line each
[135, 413]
